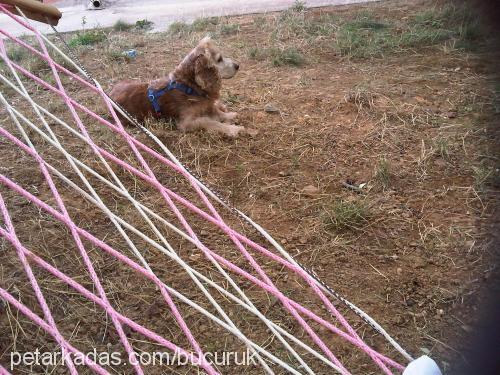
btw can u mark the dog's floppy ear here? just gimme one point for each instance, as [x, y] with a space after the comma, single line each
[206, 75]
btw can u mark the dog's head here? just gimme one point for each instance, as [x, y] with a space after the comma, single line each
[206, 66]
[212, 57]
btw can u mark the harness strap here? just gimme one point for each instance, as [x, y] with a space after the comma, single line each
[154, 95]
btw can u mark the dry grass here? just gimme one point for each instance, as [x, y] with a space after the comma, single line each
[389, 95]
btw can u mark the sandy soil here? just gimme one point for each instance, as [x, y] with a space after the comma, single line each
[414, 125]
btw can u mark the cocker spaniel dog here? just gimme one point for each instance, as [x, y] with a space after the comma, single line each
[190, 94]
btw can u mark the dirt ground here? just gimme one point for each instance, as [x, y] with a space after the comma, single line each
[375, 164]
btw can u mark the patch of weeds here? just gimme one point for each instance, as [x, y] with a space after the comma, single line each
[17, 53]
[342, 214]
[361, 97]
[459, 22]
[232, 99]
[5, 89]
[304, 81]
[65, 63]
[482, 176]
[428, 18]
[259, 21]
[382, 173]
[229, 28]
[421, 37]
[203, 24]
[87, 38]
[468, 33]
[294, 23]
[366, 23]
[365, 36]
[121, 25]
[144, 25]
[158, 125]
[443, 148]
[288, 56]
[257, 53]
[114, 55]
[279, 57]
[496, 98]
[38, 65]
[298, 6]
[179, 28]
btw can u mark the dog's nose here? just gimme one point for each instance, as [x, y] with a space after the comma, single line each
[236, 66]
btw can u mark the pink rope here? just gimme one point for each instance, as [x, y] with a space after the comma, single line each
[3, 371]
[7, 182]
[99, 301]
[178, 317]
[79, 244]
[6, 296]
[198, 243]
[238, 239]
[34, 283]
[166, 193]
[186, 203]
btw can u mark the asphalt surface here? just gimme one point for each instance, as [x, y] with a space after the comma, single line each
[162, 13]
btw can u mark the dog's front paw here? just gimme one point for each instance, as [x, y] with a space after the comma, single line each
[233, 130]
[221, 106]
[230, 116]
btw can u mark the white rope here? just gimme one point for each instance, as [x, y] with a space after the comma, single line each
[108, 213]
[172, 255]
[213, 195]
[126, 194]
[266, 235]
[259, 228]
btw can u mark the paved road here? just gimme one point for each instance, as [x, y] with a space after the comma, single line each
[162, 12]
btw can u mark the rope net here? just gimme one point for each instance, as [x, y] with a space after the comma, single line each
[110, 246]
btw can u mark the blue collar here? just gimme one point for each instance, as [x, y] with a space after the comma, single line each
[153, 95]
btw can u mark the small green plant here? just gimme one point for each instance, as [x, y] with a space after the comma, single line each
[114, 55]
[482, 175]
[84, 22]
[87, 38]
[228, 29]
[259, 21]
[178, 28]
[288, 56]
[232, 99]
[203, 24]
[361, 97]
[298, 6]
[443, 148]
[121, 25]
[17, 53]
[344, 214]
[382, 173]
[144, 25]
[253, 53]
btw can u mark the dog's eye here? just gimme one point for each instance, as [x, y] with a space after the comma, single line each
[219, 59]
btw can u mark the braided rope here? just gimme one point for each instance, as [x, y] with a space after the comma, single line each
[171, 199]
[214, 193]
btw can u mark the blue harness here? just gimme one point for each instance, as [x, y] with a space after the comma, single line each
[154, 95]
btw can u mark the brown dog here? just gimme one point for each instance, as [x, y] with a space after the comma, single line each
[189, 94]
